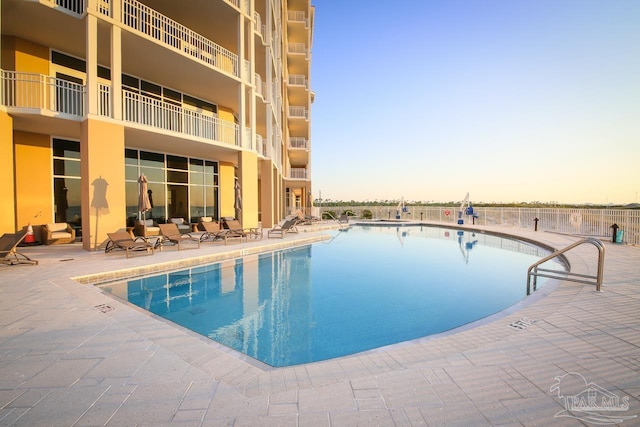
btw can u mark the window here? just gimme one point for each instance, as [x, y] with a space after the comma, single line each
[180, 186]
[66, 182]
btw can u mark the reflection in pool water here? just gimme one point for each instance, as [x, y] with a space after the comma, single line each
[369, 287]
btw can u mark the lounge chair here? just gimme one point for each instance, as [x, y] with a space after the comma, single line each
[234, 225]
[146, 228]
[58, 233]
[306, 219]
[182, 225]
[123, 240]
[171, 234]
[289, 226]
[213, 231]
[8, 249]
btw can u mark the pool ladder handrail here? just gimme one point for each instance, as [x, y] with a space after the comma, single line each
[567, 275]
[330, 215]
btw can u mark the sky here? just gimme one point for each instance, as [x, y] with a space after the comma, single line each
[510, 101]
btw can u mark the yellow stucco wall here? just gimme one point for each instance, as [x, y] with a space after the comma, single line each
[30, 169]
[103, 181]
[226, 135]
[248, 179]
[22, 55]
[34, 185]
[248, 175]
[7, 195]
[226, 175]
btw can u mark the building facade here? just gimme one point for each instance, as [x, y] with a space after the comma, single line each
[208, 99]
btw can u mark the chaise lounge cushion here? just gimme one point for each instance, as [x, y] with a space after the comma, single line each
[182, 225]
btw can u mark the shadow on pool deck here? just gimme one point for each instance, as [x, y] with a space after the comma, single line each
[72, 355]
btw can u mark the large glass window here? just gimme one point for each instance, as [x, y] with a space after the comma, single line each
[66, 182]
[179, 187]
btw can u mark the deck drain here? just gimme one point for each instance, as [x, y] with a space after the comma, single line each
[104, 308]
[522, 324]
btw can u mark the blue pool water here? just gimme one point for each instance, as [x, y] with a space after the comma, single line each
[368, 287]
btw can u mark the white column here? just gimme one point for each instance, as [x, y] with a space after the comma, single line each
[116, 71]
[91, 105]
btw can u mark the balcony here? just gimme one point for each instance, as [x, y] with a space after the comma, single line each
[298, 151]
[260, 28]
[40, 94]
[297, 49]
[298, 143]
[168, 32]
[297, 173]
[298, 112]
[297, 90]
[298, 80]
[153, 112]
[37, 94]
[297, 16]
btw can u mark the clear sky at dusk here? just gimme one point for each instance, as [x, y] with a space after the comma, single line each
[527, 100]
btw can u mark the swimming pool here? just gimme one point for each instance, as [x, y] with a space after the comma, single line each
[367, 287]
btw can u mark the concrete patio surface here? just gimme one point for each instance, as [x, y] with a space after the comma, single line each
[72, 355]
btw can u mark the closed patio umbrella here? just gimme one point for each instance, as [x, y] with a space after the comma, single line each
[143, 197]
[238, 201]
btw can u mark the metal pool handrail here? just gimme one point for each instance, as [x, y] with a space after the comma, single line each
[567, 275]
[331, 216]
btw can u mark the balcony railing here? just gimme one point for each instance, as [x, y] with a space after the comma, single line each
[298, 112]
[261, 87]
[31, 91]
[298, 173]
[260, 28]
[148, 21]
[150, 111]
[104, 100]
[297, 80]
[297, 16]
[298, 142]
[37, 91]
[297, 48]
[75, 6]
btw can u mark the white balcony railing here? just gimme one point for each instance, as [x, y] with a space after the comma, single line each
[262, 146]
[298, 173]
[37, 91]
[148, 21]
[260, 28]
[258, 82]
[30, 91]
[297, 142]
[297, 16]
[104, 100]
[150, 111]
[297, 48]
[298, 112]
[297, 80]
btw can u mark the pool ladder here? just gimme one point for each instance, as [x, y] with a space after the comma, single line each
[535, 272]
[330, 215]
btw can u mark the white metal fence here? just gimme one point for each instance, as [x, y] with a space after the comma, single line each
[580, 222]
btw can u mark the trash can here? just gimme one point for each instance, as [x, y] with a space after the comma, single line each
[619, 236]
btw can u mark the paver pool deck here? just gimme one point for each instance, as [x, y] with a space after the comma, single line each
[72, 355]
